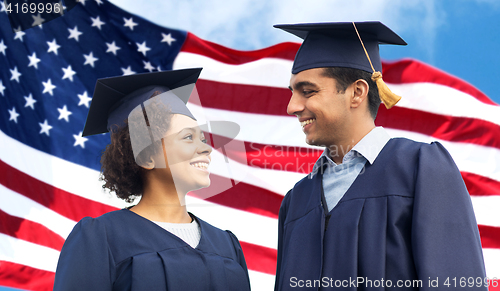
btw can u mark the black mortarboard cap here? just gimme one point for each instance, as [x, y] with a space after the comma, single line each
[336, 44]
[114, 98]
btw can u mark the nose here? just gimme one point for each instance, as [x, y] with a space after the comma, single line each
[204, 148]
[295, 105]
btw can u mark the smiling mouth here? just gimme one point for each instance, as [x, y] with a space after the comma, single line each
[200, 165]
[306, 122]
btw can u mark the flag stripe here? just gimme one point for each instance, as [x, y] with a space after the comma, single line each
[491, 259]
[29, 231]
[480, 185]
[470, 158]
[244, 197]
[490, 236]
[260, 258]
[51, 197]
[27, 253]
[196, 45]
[247, 226]
[481, 206]
[261, 281]
[20, 206]
[412, 71]
[437, 99]
[24, 277]
[52, 170]
[455, 129]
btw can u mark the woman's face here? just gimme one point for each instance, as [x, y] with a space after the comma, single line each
[187, 154]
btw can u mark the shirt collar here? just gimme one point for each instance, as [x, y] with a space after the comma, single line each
[369, 147]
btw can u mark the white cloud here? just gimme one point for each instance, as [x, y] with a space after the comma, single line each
[247, 24]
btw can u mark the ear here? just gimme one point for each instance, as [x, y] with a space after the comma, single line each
[360, 90]
[147, 164]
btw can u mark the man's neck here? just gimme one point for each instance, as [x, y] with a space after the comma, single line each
[338, 151]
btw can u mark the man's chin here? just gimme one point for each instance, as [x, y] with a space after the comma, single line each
[312, 141]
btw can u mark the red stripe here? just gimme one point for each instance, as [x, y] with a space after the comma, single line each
[196, 45]
[413, 71]
[24, 277]
[250, 99]
[455, 129]
[72, 206]
[480, 185]
[243, 196]
[29, 231]
[490, 236]
[494, 285]
[259, 258]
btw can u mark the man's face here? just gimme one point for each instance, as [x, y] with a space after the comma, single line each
[322, 111]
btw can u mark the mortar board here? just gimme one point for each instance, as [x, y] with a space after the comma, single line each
[116, 97]
[344, 44]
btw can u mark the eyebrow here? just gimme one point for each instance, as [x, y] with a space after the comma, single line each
[302, 84]
[187, 128]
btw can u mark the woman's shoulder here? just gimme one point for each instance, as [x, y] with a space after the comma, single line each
[108, 225]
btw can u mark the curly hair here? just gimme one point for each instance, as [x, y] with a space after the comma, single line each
[120, 168]
[346, 76]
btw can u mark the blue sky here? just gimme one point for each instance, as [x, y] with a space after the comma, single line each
[457, 36]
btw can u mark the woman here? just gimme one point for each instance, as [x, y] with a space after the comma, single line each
[157, 152]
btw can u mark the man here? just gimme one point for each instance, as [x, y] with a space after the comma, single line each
[375, 212]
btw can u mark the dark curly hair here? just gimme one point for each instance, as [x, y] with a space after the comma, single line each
[120, 170]
[346, 76]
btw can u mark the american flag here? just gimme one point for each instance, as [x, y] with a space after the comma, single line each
[49, 172]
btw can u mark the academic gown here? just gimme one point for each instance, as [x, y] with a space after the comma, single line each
[407, 216]
[121, 250]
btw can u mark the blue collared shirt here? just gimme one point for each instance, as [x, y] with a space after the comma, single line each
[338, 178]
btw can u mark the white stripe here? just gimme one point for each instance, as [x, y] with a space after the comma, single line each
[261, 281]
[276, 181]
[486, 210]
[476, 159]
[248, 227]
[25, 253]
[444, 100]
[273, 72]
[264, 72]
[259, 128]
[491, 261]
[18, 205]
[54, 171]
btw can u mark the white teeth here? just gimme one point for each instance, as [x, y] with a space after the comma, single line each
[306, 122]
[200, 165]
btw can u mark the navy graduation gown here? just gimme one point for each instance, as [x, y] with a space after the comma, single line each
[408, 216]
[121, 250]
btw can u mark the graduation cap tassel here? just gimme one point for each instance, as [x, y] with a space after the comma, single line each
[386, 96]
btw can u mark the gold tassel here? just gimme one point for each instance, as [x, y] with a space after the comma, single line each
[386, 96]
